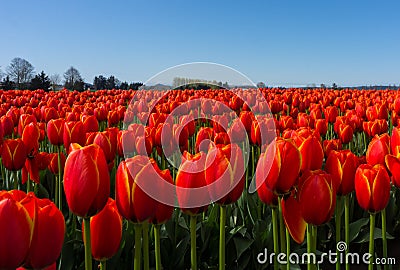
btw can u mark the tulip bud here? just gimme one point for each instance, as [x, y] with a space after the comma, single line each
[86, 180]
[342, 166]
[378, 148]
[191, 175]
[105, 232]
[15, 232]
[55, 130]
[13, 154]
[317, 197]
[225, 173]
[372, 185]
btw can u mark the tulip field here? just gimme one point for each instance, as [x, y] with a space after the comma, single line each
[199, 179]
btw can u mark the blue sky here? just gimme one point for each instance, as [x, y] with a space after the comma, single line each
[277, 42]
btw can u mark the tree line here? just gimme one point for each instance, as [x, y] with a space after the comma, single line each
[20, 74]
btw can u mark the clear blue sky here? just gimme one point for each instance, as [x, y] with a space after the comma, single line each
[347, 42]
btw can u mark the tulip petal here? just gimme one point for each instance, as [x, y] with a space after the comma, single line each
[291, 211]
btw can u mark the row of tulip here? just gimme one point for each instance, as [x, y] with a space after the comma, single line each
[106, 150]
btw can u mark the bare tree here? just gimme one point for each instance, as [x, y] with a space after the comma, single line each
[73, 79]
[55, 80]
[20, 71]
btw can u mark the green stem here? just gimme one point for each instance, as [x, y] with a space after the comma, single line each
[275, 233]
[15, 178]
[138, 246]
[2, 175]
[384, 240]
[56, 190]
[281, 227]
[88, 251]
[59, 179]
[338, 220]
[28, 185]
[222, 222]
[371, 239]
[311, 244]
[146, 245]
[309, 240]
[287, 249]
[347, 225]
[157, 246]
[314, 233]
[103, 265]
[193, 255]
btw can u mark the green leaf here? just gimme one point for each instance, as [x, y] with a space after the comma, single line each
[241, 244]
[355, 228]
[364, 238]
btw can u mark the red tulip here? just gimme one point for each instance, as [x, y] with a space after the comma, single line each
[246, 118]
[317, 197]
[134, 177]
[282, 174]
[53, 164]
[73, 133]
[90, 123]
[203, 139]
[378, 148]
[395, 141]
[103, 140]
[33, 165]
[330, 145]
[225, 173]
[15, 232]
[55, 130]
[24, 120]
[267, 196]
[342, 166]
[105, 232]
[286, 122]
[30, 137]
[372, 186]
[48, 232]
[13, 154]
[125, 142]
[191, 175]
[312, 154]
[331, 113]
[86, 180]
[7, 125]
[321, 126]
[345, 133]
